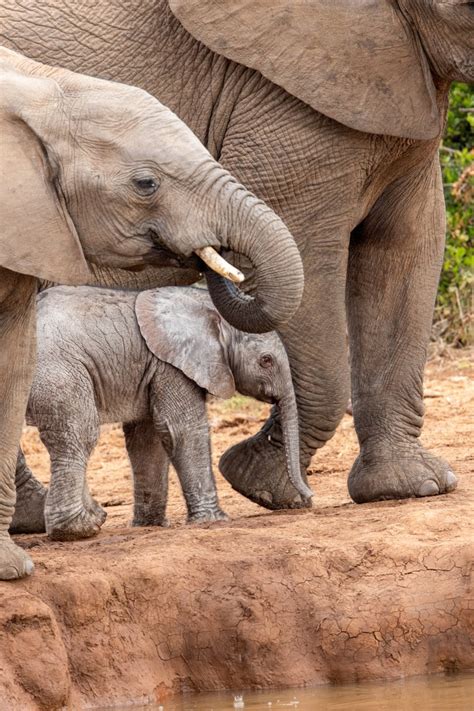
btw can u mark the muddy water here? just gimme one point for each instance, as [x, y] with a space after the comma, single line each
[434, 693]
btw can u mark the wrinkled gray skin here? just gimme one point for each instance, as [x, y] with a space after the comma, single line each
[101, 172]
[366, 210]
[94, 367]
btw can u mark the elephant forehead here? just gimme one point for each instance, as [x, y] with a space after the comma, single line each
[140, 126]
[264, 342]
[112, 115]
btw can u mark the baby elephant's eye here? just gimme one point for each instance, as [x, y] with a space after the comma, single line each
[266, 360]
[146, 186]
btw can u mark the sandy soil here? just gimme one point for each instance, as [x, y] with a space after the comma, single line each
[341, 592]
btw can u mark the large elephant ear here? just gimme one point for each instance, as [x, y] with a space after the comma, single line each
[37, 236]
[183, 328]
[357, 61]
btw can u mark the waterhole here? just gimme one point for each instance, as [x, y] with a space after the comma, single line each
[432, 693]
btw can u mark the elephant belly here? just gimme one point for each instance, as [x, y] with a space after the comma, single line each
[121, 384]
[124, 407]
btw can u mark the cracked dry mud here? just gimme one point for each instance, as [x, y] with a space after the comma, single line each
[342, 592]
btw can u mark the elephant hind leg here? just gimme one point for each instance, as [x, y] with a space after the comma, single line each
[30, 500]
[69, 515]
[150, 465]
[394, 266]
[315, 340]
[70, 433]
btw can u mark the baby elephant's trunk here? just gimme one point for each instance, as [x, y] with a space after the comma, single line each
[289, 426]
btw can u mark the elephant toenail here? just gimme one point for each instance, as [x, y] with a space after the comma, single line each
[29, 567]
[265, 496]
[451, 481]
[428, 488]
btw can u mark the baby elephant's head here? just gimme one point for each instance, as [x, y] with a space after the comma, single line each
[259, 364]
[182, 327]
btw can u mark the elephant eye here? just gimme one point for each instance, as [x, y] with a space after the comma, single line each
[146, 186]
[266, 360]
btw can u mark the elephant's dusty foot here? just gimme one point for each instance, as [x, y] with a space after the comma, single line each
[29, 508]
[256, 468]
[393, 473]
[98, 512]
[94, 508]
[207, 516]
[148, 517]
[84, 524]
[14, 562]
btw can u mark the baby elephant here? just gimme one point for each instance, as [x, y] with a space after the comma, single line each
[144, 359]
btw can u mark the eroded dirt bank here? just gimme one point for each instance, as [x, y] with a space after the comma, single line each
[338, 593]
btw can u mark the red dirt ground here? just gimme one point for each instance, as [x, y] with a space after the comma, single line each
[341, 592]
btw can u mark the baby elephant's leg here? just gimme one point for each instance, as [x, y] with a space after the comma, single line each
[179, 413]
[30, 500]
[192, 460]
[68, 517]
[150, 466]
[194, 470]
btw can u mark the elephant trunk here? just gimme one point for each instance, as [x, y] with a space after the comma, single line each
[249, 228]
[288, 412]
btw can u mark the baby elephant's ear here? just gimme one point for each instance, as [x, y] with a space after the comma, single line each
[37, 236]
[181, 327]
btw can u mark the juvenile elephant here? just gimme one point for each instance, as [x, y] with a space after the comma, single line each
[94, 171]
[146, 360]
[332, 111]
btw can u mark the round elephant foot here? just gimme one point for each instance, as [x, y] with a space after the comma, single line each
[149, 518]
[14, 562]
[256, 468]
[399, 474]
[96, 511]
[208, 516]
[29, 508]
[85, 524]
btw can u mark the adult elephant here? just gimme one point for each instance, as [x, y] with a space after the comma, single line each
[97, 171]
[332, 112]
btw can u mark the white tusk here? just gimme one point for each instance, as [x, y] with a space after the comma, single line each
[219, 265]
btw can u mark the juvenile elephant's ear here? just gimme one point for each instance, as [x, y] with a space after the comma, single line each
[37, 236]
[357, 61]
[184, 329]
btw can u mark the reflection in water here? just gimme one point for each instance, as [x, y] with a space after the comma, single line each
[433, 693]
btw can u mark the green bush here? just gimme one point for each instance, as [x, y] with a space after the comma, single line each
[453, 314]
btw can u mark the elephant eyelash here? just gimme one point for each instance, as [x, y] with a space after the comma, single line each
[146, 186]
[266, 361]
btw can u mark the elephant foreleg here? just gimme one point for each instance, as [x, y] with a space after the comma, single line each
[394, 266]
[180, 418]
[316, 343]
[286, 160]
[17, 362]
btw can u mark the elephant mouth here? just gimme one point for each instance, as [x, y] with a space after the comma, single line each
[202, 259]
[159, 255]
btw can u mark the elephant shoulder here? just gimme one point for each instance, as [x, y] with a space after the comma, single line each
[359, 63]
